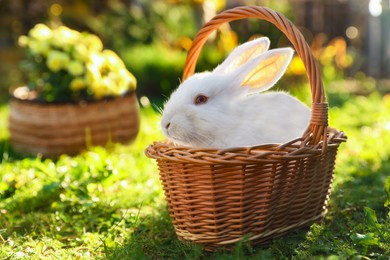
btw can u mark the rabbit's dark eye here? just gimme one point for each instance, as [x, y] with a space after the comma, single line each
[200, 99]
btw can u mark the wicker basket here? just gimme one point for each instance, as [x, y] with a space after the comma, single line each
[218, 197]
[55, 129]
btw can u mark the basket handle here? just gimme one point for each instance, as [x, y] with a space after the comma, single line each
[317, 130]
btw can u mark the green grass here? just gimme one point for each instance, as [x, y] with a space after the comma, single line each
[107, 203]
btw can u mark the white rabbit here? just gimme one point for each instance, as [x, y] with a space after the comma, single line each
[222, 108]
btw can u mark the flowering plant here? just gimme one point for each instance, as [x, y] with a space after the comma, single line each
[65, 65]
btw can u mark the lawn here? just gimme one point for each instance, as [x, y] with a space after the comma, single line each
[107, 203]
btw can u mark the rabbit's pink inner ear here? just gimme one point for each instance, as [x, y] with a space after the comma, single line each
[243, 54]
[268, 71]
[239, 60]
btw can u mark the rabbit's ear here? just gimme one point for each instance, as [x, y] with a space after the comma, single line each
[262, 72]
[243, 54]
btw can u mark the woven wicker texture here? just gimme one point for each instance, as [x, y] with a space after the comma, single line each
[217, 197]
[55, 129]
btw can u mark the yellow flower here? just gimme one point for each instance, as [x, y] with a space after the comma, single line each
[128, 80]
[23, 41]
[81, 57]
[96, 59]
[98, 89]
[65, 38]
[77, 84]
[76, 68]
[68, 35]
[109, 85]
[81, 52]
[57, 60]
[93, 73]
[92, 42]
[39, 47]
[112, 59]
[40, 32]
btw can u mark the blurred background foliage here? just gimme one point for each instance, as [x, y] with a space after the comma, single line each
[152, 37]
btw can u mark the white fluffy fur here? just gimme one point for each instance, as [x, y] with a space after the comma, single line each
[235, 115]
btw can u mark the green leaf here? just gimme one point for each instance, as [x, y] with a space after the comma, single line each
[365, 239]
[387, 190]
[372, 222]
[371, 218]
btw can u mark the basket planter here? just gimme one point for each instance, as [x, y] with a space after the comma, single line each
[218, 197]
[53, 129]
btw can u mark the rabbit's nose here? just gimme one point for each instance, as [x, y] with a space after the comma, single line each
[167, 125]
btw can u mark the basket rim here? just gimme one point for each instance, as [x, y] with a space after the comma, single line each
[35, 101]
[264, 153]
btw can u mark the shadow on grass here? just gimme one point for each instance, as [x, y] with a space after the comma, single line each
[155, 238]
[347, 218]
